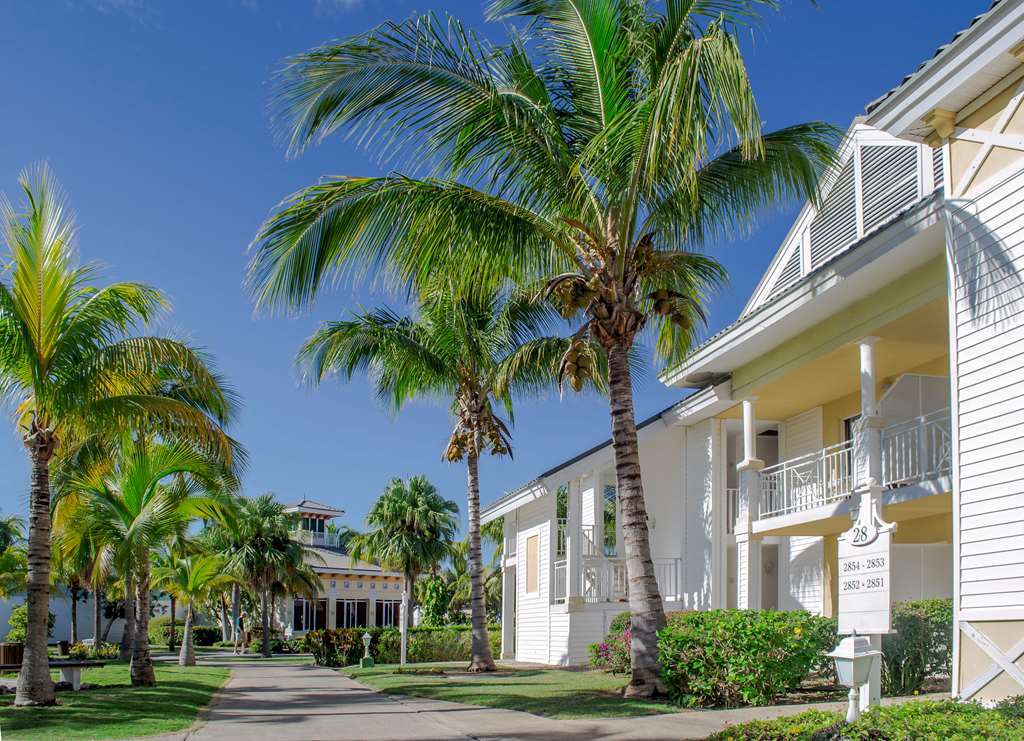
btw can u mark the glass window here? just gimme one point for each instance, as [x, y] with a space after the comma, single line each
[388, 613]
[320, 615]
[610, 513]
[299, 615]
[351, 613]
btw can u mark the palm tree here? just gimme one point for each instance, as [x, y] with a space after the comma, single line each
[191, 579]
[265, 553]
[132, 502]
[13, 559]
[475, 350]
[410, 529]
[72, 365]
[599, 152]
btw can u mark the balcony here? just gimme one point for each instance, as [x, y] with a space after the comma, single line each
[914, 450]
[316, 540]
[604, 579]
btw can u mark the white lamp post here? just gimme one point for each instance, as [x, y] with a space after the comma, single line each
[854, 659]
[366, 662]
[404, 627]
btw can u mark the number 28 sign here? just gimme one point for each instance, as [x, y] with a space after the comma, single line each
[865, 556]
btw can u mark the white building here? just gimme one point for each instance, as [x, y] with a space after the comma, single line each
[898, 306]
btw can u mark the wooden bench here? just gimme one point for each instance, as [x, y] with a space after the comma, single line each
[70, 669]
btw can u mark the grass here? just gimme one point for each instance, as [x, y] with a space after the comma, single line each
[555, 693]
[115, 709]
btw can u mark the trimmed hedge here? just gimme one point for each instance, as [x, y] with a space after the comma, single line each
[344, 646]
[945, 719]
[160, 632]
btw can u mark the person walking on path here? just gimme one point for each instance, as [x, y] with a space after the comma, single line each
[241, 638]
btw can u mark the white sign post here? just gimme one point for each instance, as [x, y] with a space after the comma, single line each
[865, 584]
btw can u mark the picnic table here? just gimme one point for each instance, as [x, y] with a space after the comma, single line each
[70, 669]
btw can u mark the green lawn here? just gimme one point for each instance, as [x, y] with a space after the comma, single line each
[554, 693]
[116, 709]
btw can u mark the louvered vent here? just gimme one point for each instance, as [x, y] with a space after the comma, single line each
[789, 274]
[835, 226]
[937, 169]
[889, 182]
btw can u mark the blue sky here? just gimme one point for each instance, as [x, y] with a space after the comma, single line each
[154, 116]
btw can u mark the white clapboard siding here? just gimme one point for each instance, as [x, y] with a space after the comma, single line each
[986, 234]
[532, 610]
[802, 572]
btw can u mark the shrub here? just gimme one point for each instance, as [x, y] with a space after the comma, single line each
[19, 624]
[733, 657]
[910, 720]
[1012, 707]
[922, 645]
[81, 651]
[344, 646]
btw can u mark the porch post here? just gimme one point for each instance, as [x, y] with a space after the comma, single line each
[508, 590]
[598, 494]
[869, 449]
[574, 547]
[748, 545]
[371, 606]
[869, 482]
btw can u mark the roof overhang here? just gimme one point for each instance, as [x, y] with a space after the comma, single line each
[316, 509]
[905, 244]
[973, 62]
[701, 405]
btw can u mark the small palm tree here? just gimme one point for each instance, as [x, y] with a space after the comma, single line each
[265, 554]
[599, 154]
[475, 350]
[72, 364]
[192, 580]
[410, 528]
[131, 503]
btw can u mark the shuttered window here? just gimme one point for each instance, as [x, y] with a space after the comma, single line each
[889, 182]
[789, 274]
[937, 168]
[835, 226]
[532, 564]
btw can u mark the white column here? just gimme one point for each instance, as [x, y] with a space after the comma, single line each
[868, 449]
[598, 500]
[574, 547]
[508, 591]
[748, 545]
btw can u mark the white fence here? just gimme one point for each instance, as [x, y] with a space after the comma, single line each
[916, 450]
[322, 540]
[809, 481]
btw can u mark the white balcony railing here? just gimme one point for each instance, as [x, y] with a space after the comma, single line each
[917, 450]
[732, 510]
[604, 580]
[561, 536]
[322, 540]
[809, 481]
[560, 588]
[668, 572]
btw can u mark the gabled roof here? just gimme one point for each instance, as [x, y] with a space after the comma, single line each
[333, 562]
[876, 178]
[316, 508]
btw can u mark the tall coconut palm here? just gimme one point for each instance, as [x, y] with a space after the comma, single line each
[410, 528]
[132, 502]
[190, 579]
[600, 151]
[474, 350]
[74, 366]
[265, 553]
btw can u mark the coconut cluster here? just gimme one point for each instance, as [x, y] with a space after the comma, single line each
[577, 365]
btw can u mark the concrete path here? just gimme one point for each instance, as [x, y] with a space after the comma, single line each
[286, 702]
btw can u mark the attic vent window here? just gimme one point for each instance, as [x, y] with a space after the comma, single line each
[789, 274]
[835, 226]
[889, 176]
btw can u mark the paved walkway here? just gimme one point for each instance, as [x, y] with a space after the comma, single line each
[286, 702]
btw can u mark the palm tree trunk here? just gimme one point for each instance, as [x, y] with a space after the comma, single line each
[128, 634]
[187, 657]
[482, 661]
[647, 615]
[74, 615]
[97, 618]
[236, 603]
[142, 662]
[264, 600]
[224, 619]
[34, 684]
[174, 626]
